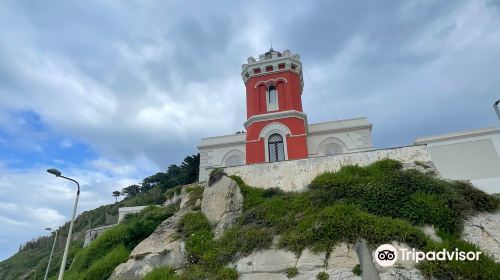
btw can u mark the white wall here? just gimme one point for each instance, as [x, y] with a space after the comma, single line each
[213, 149]
[295, 175]
[468, 155]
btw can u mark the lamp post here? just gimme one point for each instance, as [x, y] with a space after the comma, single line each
[58, 173]
[495, 106]
[51, 252]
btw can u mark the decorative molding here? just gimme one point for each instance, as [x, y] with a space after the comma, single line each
[275, 116]
[233, 152]
[268, 82]
[321, 149]
[275, 128]
[457, 135]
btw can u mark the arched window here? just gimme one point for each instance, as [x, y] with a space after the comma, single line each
[276, 148]
[333, 149]
[233, 160]
[272, 99]
[272, 95]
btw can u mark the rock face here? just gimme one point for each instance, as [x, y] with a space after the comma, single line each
[162, 248]
[222, 204]
[273, 263]
[483, 229]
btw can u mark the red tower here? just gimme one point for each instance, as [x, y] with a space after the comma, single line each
[276, 126]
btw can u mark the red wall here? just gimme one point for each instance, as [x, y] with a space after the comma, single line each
[289, 93]
[296, 143]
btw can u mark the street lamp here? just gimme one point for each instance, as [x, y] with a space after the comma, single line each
[51, 252]
[66, 249]
[495, 106]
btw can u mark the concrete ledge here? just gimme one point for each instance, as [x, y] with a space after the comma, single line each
[295, 175]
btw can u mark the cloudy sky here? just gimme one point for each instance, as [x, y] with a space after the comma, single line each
[113, 91]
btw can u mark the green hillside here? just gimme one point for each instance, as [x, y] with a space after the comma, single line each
[31, 261]
[380, 203]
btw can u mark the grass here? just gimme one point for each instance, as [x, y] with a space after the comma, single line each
[98, 260]
[161, 273]
[291, 272]
[356, 270]
[380, 202]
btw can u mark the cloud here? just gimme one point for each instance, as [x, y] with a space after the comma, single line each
[31, 199]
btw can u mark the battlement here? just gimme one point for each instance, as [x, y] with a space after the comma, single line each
[271, 62]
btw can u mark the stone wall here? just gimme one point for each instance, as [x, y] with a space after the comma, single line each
[295, 175]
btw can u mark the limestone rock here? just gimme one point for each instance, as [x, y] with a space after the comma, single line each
[137, 268]
[163, 247]
[222, 204]
[266, 261]
[343, 257]
[162, 236]
[310, 261]
[366, 261]
[431, 233]
[483, 229]
[401, 273]
[262, 276]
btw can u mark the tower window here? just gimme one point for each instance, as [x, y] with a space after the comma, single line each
[272, 95]
[269, 68]
[276, 148]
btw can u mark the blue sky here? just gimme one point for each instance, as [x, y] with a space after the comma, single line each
[113, 91]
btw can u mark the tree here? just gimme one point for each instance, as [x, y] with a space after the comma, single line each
[131, 190]
[116, 194]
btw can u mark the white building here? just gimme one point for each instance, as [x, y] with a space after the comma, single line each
[467, 155]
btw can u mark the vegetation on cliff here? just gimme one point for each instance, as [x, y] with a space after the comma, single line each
[380, 203]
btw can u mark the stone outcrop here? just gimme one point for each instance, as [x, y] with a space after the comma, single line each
[222, 204]
[483, 229]
[162, 248]
[273, 264]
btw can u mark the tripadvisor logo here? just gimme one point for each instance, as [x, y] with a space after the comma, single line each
[387, 255]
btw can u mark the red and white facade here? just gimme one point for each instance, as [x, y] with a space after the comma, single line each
[276, 126]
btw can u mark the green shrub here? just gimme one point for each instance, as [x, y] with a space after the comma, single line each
[322, 276]
[480, 200]
[215, 175]
[102, 268]
[226, 274]
[132, 230]
[383, 189]
[485, 268]
[161, 273]
[357, 270]
[194, 193]
[428, 208]
[291, 272]
[340, 222]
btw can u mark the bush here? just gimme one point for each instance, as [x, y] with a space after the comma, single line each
[215, 175]
[357, 270]
[102, 268]
[161, 273]
[322, 276]
[382, 188]
[291, 272]
[485, 268]
[127, 234]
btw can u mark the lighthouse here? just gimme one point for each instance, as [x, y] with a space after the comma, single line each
[276, 124]
[276, 127]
